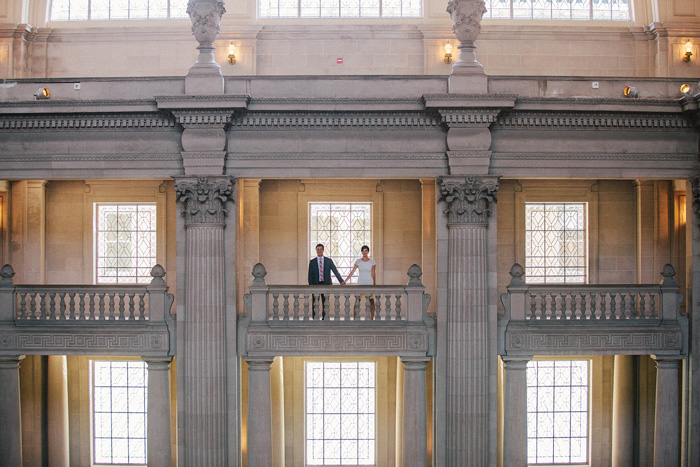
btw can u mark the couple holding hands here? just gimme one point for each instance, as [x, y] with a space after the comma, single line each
[320, 269]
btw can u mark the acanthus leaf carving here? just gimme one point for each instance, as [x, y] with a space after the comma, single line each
[204, 199]
[469, 199]
[206, 19]
[466, 19]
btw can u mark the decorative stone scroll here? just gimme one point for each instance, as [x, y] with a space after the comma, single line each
[204, 199]
[468, 199]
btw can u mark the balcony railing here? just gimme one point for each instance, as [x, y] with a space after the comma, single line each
[329, 319]
[579, 319]
[87, 318]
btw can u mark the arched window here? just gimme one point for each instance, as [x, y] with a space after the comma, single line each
[611, 10]
[99, 10]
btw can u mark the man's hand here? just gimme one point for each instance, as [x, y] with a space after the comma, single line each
[342, 283]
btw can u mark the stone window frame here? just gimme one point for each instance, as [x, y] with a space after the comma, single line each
[98, 191]
[323, 191]
[559, 191]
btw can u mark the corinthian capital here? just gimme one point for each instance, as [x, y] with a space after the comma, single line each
[468, 199]
[204, 199]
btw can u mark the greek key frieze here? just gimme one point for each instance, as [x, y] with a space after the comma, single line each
[336, 343]
[535, 342]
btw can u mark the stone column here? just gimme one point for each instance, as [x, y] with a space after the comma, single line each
[204, 348]
[624, 410]
[415, 435]
[515, 411]
[667, 436]
[11, 432]
[57, 411]
[159, 449]
[468, 206]
[259, 412]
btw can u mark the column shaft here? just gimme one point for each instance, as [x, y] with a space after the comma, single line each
[624, 409]
[515, 413]
[467, 346]
[667, 439]
[11, 432]
[57, 408]
[159, 449]
[415, 435]
[259, 412]
[205, 346]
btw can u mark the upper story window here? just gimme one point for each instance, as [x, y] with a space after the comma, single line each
[342, 228]
[340, 413]
[611, 10]
[125, 242]
[555, 243]
[119, 409]
[339, 8]
[98, 10]
[557, 412]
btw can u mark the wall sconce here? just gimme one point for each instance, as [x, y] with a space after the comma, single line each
[448, 53]
[231, 52]
[688, 51]
[42, 93]
[685, 89]
[630, 92]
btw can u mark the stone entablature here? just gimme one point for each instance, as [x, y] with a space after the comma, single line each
[592, 319]
[86, 320]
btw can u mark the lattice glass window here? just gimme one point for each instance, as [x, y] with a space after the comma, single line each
[98, 10]
[339, 8]
[340, 413]
[342, 228]
[125, 243]
[555, 243]
[611, 10]
[119, 405]
[557, 412]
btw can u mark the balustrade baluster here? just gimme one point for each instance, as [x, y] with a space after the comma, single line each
[101, 305]
[368, 309]
[132, 305]
[71, 305]
[275, 306]
[613, 306]
[378, 307]
[346, 307]
[533, 307]
[32, 305]
[564, 311]
[62, 306]
[22, 306]
[387, 307]
[398, 307]
[51, 313]
[594, 310]
[582, 312]
[623, 306]
[336, 308]
[306, 306]
[285, 307]
[548, 306]
[296, 307]
[81, 306]
[642, 306]
[121, 305]
[43, 312]
[142, 306]
[653, 312]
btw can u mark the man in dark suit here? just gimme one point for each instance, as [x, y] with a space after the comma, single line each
[320, 269]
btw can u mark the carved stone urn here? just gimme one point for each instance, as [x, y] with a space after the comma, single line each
[206, 21]
[466, 24]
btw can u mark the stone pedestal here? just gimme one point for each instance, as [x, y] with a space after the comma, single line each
[57, 411]
[468, 201]
[667, 437]
[11, 432]
[159, 449]
[259, 412]
[415, 433]
[515, 412]
[204, 345]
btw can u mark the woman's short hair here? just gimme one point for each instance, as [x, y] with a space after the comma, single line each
[364, 247]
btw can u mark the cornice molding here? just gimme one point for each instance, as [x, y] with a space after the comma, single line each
[76, 103]
[203, 118]
[91, 157]
[93, 122]
[456, 118]
[680, 157]
[591, 121]
[599, 100]
[336, 156]
[332, 120]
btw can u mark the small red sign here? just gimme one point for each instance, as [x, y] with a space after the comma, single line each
[340, 61]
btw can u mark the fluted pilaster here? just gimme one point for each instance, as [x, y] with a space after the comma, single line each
[415, 434]
[469, 201]
[515, 427]
[11, 432]
[259, 412]
[667, 436]
[159, 449]
[204, 355]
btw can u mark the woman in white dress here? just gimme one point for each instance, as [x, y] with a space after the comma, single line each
[367, 267]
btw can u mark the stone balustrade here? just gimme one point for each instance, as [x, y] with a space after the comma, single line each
[617, 319]
[303, 320]
[86, 319]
